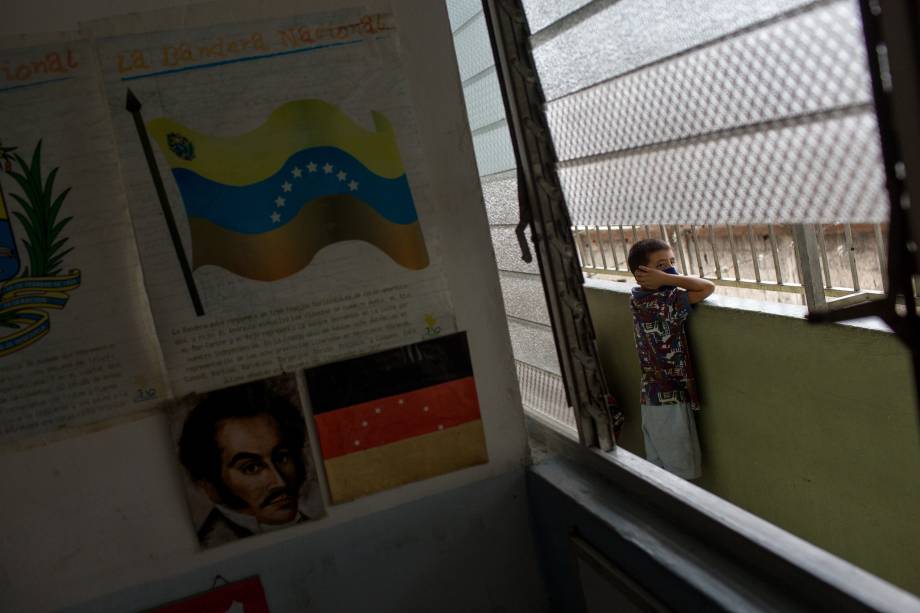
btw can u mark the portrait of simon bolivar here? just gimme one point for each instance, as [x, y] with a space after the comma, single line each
[247, 459]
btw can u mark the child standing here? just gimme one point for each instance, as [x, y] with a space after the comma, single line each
[660, 306]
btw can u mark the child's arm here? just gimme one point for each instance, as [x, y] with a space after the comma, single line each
[697, 289]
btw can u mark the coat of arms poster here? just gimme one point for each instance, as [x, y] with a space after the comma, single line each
[77, 343]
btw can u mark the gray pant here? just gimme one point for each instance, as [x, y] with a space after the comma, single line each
[671, 441]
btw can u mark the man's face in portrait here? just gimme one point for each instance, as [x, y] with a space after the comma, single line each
[260, 473]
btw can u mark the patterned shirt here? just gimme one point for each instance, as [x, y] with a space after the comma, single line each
[659, 317]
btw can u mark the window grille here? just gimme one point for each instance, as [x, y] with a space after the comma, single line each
[759, 260]
[712, 112]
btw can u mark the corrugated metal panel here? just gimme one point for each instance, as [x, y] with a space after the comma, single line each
[508, 253]
[474, 52]
[500, 195]
[483, 98]
[494, 151]
[541, 13]
[632, 33]
[461, 11]
[534, 344]
[810, 63]
[820, 171]
[524, 297]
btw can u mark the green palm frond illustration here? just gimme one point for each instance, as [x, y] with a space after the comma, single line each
[5, 153]
[41, 208]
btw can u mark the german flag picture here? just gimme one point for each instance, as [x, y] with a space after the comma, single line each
[397, 416]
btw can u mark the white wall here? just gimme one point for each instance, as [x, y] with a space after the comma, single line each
[103, 512]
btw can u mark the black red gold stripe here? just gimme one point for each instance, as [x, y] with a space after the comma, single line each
[389, 373]
[387, 420]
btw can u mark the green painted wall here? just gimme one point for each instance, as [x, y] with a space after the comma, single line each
[813, 428]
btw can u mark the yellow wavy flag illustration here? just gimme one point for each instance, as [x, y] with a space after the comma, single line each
[264, 203]
[292, 127]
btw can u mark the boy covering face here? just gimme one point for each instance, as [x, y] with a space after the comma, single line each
[660, 306]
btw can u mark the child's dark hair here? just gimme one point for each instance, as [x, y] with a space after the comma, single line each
[639, 252]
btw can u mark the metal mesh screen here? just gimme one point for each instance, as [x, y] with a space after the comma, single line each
[494, 151]
[607, 39]
[483, 100]
[472, 56]
[772, 123]
[541, 13]
[795, 67]
[461, 11]
[811, 172]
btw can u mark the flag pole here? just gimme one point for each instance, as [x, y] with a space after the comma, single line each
[133, 105]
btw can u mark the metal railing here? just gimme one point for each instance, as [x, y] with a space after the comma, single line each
[760, 261]
[542, 392]
[844, 263]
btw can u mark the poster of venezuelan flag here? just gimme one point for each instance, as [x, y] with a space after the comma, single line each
[263, 204]
[397, 416]
[279, 193]
[77, 341]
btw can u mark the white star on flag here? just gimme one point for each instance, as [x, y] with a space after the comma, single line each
[286, 186]
[352, 185]
[327, 168]
[276, 217]
[279, 201]
[296, 172]
[342, 175]
[311, 167]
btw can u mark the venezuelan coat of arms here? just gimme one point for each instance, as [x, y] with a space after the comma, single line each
[33, 281]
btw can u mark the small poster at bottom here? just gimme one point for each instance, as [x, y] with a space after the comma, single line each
[245, 596]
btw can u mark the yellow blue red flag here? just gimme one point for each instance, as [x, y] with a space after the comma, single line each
[262, 205]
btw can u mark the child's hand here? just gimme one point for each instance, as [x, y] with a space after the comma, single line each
[652, 278]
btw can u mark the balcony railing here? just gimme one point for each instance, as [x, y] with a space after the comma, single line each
[757, 261]
[542, 393]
